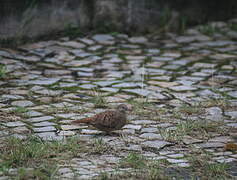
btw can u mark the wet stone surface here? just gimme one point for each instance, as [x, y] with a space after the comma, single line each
[182, 91]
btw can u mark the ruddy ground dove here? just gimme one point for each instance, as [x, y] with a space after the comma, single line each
[107, 121]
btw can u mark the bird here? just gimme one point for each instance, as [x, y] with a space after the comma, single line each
[107, 121]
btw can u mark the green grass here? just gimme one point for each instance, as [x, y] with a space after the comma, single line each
[233, 26]
[142, 107]
[3, 73]
[194, 128]
[99, 147]
[65, 109]
[202, 166]
[36, 154]
[20, 111]
[209, 30]
[187, 109]
[133, 160]
[98, 100]
[72, 31]
[114, 33]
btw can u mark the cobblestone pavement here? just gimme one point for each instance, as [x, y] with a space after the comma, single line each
[182, 89]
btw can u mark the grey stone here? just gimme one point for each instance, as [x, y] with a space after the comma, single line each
[208, 93]
[143, 122]
[33, 113]
[39, 119]
[22, 103]
[65, 116]
[44, 81]
[155, 144]
[48, 92]
[43, 124]
[67, 133]
[14, 124]
[233, 114]
[149, 130]
[12, 97]
[128, 131]
[233, 125]
[150, 136]
[95, 48]
[49, 136]
[44, 129]
[131, 126]
[233, 94]
[182, 88]
[108, 89]
[218, 43]
[190, 140]
[160, 58]
[127, 85]
[86, 41]
[87, 86]
[185, 39]
[137, 40]
[223, 139]
[153, 51]
[211, 145]
[101, 38]
[133, 147]
[105, 83]
[204, 65]
[80, 53]
[183, 165]
[90, 131]
[214, 114]
[72, 44]
[175, 155]
[70, 127]
[176, 161]
[227, 160]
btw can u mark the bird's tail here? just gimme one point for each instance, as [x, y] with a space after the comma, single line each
[84, 120]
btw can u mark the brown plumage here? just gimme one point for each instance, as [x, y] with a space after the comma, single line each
[107, 121]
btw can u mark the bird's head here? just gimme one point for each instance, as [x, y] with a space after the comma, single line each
[123, 108]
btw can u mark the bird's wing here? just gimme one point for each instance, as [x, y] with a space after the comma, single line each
[105, 119]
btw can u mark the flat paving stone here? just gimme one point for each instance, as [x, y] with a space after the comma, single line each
[69, 127]
[39, 119]
[22, 103]
[175, 161]
[44, 81]
[33, 113]
[150, 136]
[49, 136]
[43, 124]
[102, 38]
[155, 144]
[233, 114]
[191, 140]
[137, 40]
[14, 124]
[211, 145]
[72, 44]
[67, 133]
[182, 88]
[12, 97]
[44, 129]
[131, 126]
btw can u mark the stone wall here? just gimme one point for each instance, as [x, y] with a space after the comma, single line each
[32, 18]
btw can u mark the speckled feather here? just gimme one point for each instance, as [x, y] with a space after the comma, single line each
[108, 120]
